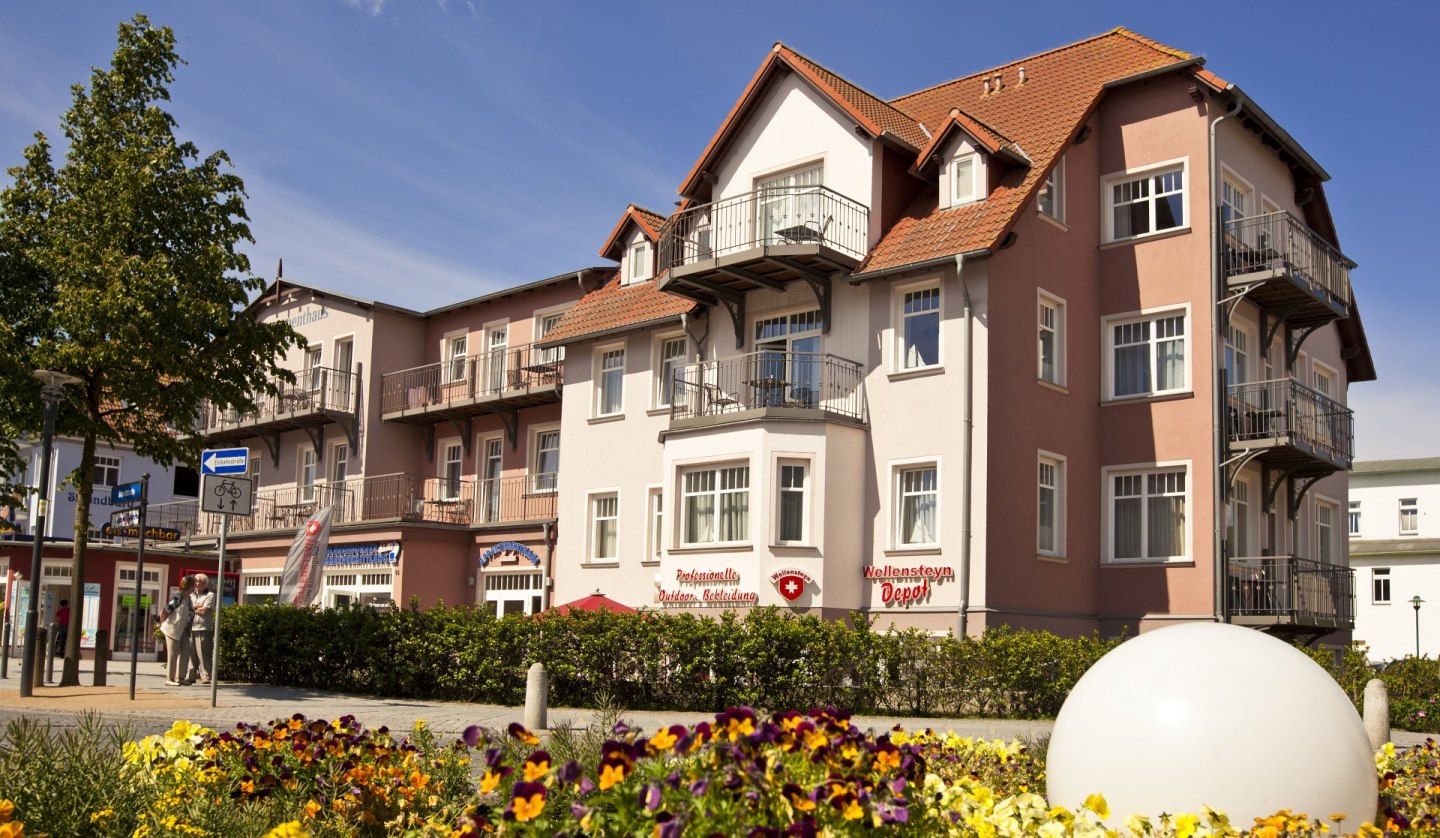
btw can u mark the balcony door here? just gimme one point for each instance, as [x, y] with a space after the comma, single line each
[490, 475]
[497, 346]
[787, 360]
[789, 206]
[343, 364]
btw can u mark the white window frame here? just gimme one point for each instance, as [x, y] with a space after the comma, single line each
[803, 490]
[1321, 371]
[639, 262]
[1380, 576]
[900, 534]
[1409, 516]
[664, 365]
[1107, 197]
[1152, 316]
[1056, 464]
[1238, 519]
[718, 492]
[1240, 187]
[958, 197]
[1352, 525]
[901, 320]
[1054, 188]
[1057, 329]
[1324, 538]
[307, 472]
[546, 320]
[655, 534]
[1143, 471]
[1237, 353]
[106, 466]
[339, 458]
[601, 353]
[452, 453]
[454, 367]
[544, 481]
[593, 503]
[314, 367]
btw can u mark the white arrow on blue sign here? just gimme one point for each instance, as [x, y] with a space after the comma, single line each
[126, 493]
[224, 461]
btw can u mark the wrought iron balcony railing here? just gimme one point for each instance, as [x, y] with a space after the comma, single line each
[772, 216]
[1284, 411]
[1280, 243]
[499, 373]
[317, 390]
[809, 381]
[1291, 591]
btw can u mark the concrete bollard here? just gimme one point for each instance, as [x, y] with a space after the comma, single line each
[102, 656]
[537, 696]
[50, 658]
[42, 651]
[1377, 712]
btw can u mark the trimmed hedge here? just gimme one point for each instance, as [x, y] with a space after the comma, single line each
[1413, 684]
[768, 659]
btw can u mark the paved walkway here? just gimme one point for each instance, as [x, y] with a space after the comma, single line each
[156, 706]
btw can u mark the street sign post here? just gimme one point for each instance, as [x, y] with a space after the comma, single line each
[226, 495]
[127, 494]
[224, 461]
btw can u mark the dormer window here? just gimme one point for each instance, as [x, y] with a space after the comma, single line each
[639, 262]
[964, 180]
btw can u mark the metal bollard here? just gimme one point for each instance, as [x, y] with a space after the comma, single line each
[50, 658]
[537, 689]
[102, 655]
[42, 646]
[5, 646]
[1377, 713]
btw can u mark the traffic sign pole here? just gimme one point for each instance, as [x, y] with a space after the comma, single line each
[136, 625]
[219, 600]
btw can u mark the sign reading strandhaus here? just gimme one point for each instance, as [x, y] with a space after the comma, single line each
[386, 553]
[893, 592]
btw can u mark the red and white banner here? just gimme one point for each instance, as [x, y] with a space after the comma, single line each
[301, 579]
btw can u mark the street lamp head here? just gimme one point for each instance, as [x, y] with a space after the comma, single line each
[57, 379]
[1417, 602]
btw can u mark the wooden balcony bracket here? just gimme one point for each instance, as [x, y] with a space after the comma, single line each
[317, 439]
[1272, 480]
[1236, 464]
[820, 286]
[733, 302]
[463, 427]
[1297, 339]
[1299, 487]
[272, 444]
[350, 423]
[510, 418]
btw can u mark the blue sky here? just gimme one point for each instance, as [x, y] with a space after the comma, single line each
[424, 151]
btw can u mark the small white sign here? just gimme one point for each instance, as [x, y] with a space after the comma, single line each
[226, 494]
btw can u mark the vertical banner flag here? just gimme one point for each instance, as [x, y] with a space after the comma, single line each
[302, 564]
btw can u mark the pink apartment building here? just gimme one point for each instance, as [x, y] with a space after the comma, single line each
[1063, 344]
[434, 437]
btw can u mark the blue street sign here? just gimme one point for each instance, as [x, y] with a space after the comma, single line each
[125, 493]
[225, 461]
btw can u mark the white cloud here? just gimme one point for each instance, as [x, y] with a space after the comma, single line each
[369, 7]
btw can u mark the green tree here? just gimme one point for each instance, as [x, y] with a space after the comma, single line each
[130, 250]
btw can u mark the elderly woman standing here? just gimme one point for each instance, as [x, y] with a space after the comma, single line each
[175, 625]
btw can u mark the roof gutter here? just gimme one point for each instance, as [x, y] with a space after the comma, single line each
[1197, 61]
[1255, 112]
[939, 261]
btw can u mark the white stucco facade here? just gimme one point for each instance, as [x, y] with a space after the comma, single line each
[1395, 550]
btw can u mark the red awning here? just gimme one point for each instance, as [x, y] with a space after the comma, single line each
[594, 602]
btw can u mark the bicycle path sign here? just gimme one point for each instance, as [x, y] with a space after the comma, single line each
[226, 494]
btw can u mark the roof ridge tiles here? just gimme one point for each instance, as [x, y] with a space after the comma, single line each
[867, 91]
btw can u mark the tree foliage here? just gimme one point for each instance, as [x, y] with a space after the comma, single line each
[121, 267]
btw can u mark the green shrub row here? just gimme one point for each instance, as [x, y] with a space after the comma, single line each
[769, 659]
[1413, 684]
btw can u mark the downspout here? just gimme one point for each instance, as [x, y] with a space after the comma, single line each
[1217, 418]
[967, 430]
[548, 576]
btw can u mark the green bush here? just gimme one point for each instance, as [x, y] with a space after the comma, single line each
[1413, 684]
[768, 658]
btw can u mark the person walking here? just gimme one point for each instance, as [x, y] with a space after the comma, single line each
[62, 626]
[175, 625]
[202, 630]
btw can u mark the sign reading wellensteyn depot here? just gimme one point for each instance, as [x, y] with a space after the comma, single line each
[907, 585]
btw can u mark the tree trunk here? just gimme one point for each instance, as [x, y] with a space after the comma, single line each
[84, 488]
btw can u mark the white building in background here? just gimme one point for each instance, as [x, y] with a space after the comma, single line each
[1395, 551]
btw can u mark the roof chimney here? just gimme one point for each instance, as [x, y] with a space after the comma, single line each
[999, 83]
[987, 87]
[1022, 75]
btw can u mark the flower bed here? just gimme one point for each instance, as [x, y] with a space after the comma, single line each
[789, 774]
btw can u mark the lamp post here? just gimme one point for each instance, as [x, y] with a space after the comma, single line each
[1417, 602]
[52, 392]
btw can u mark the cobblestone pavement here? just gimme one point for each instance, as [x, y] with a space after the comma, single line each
[156, 706]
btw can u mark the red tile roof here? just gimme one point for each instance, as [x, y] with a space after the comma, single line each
[648, 221]
[989, 139]
[614, 306]
[1041, 115]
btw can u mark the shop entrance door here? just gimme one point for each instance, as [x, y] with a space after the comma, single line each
[512, 593]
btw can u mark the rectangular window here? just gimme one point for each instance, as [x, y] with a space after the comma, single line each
[1324, 532]
[1324, 381]
[1237, 357]
[639, 262]
[547, 323]
[611, 390]
[657, 526]
[314, 374]
[1147, 356]
[917, 502]
[496, 356]
[1150, 203]
[339, 463]
[455, 365]
[1380, 585]
[964, 174]
[107, 471]
[604, 528]
[1409, 516]
[1147, 515]
[1050, 515]
[715, 505]
[254, 470]
[1234, 201]
[450, 465]
[920, 329]
[672, 357]
[1354, 518]
[1237, 520]
[1051, 328]
[547, 460]
[791, 503]
[307, 475]
[1052, 194]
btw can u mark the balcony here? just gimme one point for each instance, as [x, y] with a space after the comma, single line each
[1289, 269]
[769, 385]
[321, 397]
[498, 381]
[1291, 594]
[1291, 427]
[767, 238]
[400, 498]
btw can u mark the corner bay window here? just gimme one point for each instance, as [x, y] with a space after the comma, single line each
[1147, 515]
[1148, 203]
[1147, 356]
[918, 495]
[715, 505]
[792, 503]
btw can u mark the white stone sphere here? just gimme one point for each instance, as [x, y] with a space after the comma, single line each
[1208, 714]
